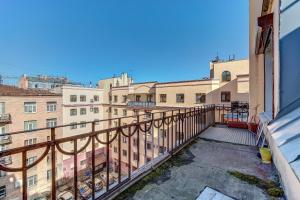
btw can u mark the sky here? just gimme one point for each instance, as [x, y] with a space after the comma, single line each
[157, 40]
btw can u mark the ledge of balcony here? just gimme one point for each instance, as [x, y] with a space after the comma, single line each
[204, 163]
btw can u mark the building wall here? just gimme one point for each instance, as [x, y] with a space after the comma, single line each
[90, 104]
[188, 88]
[256, 62]
[15, 107]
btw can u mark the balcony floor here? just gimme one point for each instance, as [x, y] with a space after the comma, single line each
[206, 163]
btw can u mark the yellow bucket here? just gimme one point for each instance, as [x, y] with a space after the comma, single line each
[265, 155]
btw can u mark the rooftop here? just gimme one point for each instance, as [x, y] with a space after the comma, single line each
[7, 90]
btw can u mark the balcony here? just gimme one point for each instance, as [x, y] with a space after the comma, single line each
[5, 139]
[142, 104]
[7, 160]
[5, 118]
[187, 153]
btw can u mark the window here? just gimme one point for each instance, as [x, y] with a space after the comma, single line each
[91, 109]
[124, 152]
[115, 124]
[149, 98]
[115, 111]
[163, 98]
[96, 98]
[200, 98]
[82, 111]
[73, 125]
[135, 112]
[124, 98]
[115, 98]
[73, 112]
[134, 142]
[226, 76]
[30, 125]
[51, 122]
[2, 191]
[124, 139]
[180, 98]
[135, 156]
[124, 112]
[96, 110]
[115, 149]
[110, 98]
[82, 125]
[83, 162]
[32, 181]
[109, 110]
[225, 96]
[48, 175]
[138, 98]
[30, 107]
[2, 174]
[30, 141]
[73, 98]
[82, 98]
[31, 160]
[51, 106]
[149, 147]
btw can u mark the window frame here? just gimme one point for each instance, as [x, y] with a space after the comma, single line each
[163, 98]
[201, 95]
[225, 97]
[30, 107]
[178, 98]
[51, 106]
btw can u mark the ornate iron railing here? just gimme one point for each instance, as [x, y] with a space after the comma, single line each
[114, 156]
[5, 118]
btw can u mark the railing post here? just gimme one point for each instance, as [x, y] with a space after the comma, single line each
[93, 160]
[107, 161]
[172, 132]
[53, 165]
[138, 141]
[119, 153]
[129, 152]
[24, 174]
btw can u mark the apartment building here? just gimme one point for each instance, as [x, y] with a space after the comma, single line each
[274, 76]
[80, 105]
[44, 82]
[22, 110]
[228, 82]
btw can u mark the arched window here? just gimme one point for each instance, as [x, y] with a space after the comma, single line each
[226, 76]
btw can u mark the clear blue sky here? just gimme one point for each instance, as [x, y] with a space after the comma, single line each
[161, 40]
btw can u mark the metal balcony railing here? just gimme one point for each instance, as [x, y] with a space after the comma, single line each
[5, 118]
[125, 152]
[5, 139]
[145, 104]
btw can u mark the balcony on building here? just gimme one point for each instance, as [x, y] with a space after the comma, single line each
[5, 118]
[175, 154]
[5, 139]
[143, 104]
[6, 160]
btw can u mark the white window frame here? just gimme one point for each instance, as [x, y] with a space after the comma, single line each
[30, 107]
[51, 106]
[32, 181]
[51, 122]
[30, 125]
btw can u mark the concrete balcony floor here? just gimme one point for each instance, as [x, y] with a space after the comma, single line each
[205, 163]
